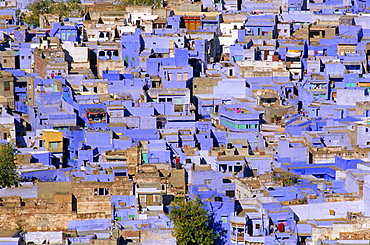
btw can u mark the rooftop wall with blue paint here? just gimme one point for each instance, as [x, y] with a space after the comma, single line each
[43, 175]
[324, 172]
[98, 138]
[65, 32]
[129, 200]
[88, 225]
[205, 141]
[132, 45]
[161, 221]
[86, 155]
[141, 111]
[181, 124]
[111, 75]
[214, 180]
[137, 135]
[100, 178]
[295, 153]
[41, 157]
[220, 210]
[122, 143]
[159, 156]
[121, 204]
[261, 164]
[174, 22]
[220, 138]
[47, 98]
[26, 190]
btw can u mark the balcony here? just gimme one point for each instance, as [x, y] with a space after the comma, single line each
[237, 220]
[238, 113]
[255, 239]
[239, 237]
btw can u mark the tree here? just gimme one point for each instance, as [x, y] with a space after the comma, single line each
[192, 223]
[75, 7]
[121, 5]
[37, 8]
[8, 166]
[71, 8]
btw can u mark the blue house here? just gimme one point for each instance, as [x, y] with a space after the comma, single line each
[239, 117]
[65, 32]
[132, 45]
[261, 25]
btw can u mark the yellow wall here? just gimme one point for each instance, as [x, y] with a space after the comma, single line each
[53, 140]
[363, 85]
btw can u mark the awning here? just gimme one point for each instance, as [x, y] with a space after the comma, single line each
[351, 63]
[293, 53]
[63, 124]
[95, 111]
[336, 76]
[6, 17]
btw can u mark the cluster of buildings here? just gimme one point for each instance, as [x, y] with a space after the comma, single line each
[260, 108]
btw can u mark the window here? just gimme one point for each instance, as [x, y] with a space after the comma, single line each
[22, 57]
[178, 108]
[230, 193]
[238, 58]
[218, 199]
[5, 61]
[142, 198]
[157, 199]
[54, 146]
[207, 181]
[101, 192]
[258, 226]
[224, 219]
[6, 86]
[179, 100]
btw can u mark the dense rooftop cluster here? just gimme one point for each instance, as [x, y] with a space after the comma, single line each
[259, 108]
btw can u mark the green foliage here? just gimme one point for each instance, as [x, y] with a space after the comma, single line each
[289, 181]
[192, 223]
[20, 224]
[121, 4]
[286, 180]
[71, 8]
[8, 166]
